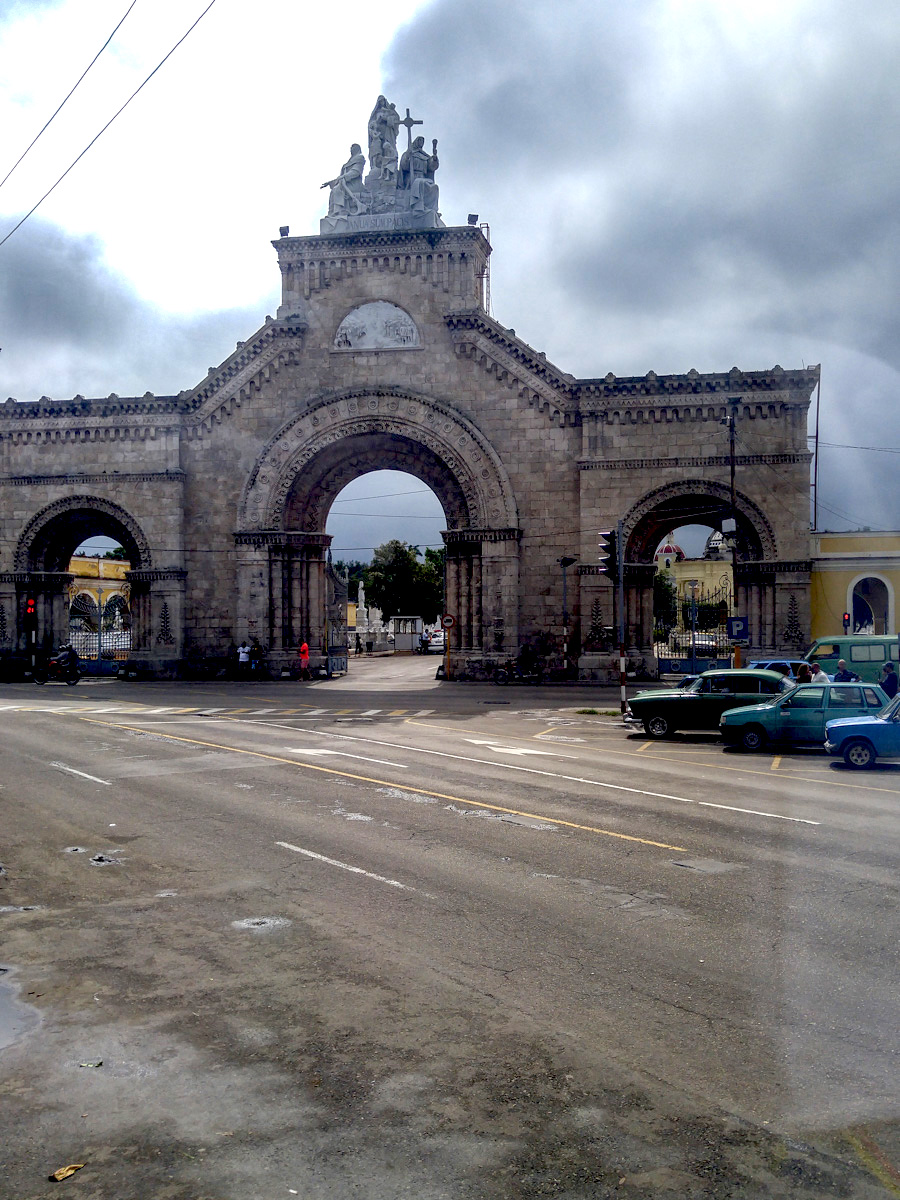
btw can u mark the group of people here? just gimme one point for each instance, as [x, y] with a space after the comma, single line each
[813, 673]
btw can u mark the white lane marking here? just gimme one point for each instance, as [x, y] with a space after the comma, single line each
[487, 762]
[261, 712]
[370, 712]
[316, 751]
[71, 770]
[423, 712]
[316, 712]
[334, 862]
[516, 750]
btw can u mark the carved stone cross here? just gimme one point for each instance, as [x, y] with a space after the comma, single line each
[409, 121]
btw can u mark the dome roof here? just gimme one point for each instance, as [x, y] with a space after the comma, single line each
[670, 549]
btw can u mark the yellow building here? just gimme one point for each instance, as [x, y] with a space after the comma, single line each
[856, 573]
[99, 588]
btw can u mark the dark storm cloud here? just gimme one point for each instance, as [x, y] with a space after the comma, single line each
[68, 325]
[675, 186]
[762, 172]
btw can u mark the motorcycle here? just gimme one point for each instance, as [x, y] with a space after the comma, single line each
[58, 669]
[514, 672]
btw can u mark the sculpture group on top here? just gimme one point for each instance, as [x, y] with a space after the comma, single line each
[399, 191]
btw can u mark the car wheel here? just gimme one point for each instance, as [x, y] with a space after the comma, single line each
[859, 754]
[754, 737]
[658, 727]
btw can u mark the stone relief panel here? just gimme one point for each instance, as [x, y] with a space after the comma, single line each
[459, 446]
[377, 325]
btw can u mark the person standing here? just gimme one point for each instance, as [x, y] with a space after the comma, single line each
[889, 681]
[804, 675]
[243, 657]
[304, 662]
[817, 675]
[843, 675]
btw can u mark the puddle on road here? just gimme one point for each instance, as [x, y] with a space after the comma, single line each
[16, 1018]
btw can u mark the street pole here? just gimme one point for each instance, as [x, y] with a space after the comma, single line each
[564, 563]
[620, 589]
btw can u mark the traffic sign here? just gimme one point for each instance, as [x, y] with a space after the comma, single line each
[738, 630]
[447, 621]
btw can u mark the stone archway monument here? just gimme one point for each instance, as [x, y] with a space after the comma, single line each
[382, 354]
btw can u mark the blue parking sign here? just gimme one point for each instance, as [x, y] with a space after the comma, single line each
[738, 629]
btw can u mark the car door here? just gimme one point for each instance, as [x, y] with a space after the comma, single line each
[802, 715]
[846, 700]
[728, 691]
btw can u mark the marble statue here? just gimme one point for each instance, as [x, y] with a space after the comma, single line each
[397, 193]
[384, 125]
[346, 196]
[417, 168]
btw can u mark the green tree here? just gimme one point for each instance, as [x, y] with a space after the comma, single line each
[118, 554]
[431, 584]
[391, 579]
[665, 603]
[400, 585]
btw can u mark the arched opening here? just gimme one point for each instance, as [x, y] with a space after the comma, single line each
[76, 561]
[100, 604]
[726, 537]
[282, 541]
[693, 597]
[870, 606]
[386, 532]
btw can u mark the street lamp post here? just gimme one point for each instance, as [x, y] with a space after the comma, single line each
[565, 562]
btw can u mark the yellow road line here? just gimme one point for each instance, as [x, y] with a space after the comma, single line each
[641, 749]
[874, 1158]
[625, 837]
[776, 763]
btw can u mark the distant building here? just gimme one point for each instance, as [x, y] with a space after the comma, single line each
[857, 572]
[99, 612]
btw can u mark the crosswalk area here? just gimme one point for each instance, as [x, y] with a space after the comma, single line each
[146, 710]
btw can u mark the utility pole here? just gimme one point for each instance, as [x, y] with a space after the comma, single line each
[564, 563]
[620, 588]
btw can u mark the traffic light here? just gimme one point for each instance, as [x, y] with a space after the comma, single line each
[846, 622]
[609, 562]
[30, 614]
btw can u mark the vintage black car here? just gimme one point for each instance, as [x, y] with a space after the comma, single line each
[701, 704]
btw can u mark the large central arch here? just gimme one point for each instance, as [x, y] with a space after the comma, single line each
[281, 539]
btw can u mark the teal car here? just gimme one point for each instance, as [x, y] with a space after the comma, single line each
[801, 715]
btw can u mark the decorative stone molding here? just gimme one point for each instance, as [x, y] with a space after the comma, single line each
[454, 440]
[500, 353]
[282, 538]
[596, 394]
[277, 345]
[716, 460]
[71, 504]
[690, 487]
[75, 479]
[158, 575]
[748, 570]
[453, 537]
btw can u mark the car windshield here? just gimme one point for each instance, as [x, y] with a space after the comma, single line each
[891, 711]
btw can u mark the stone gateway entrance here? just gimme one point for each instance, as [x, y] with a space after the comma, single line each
[382, 355]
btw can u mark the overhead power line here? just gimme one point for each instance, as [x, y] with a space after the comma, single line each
[68, 96]
[116, 114]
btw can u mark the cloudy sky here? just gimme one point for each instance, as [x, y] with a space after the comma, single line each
[669, 184]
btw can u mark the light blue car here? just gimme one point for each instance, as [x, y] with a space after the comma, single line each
[862, 740]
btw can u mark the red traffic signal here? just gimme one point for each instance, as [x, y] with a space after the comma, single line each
[846, 622]
[30, 614]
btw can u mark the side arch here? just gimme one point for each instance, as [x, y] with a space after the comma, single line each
[463, 468]
[48, 540]
[682, 503]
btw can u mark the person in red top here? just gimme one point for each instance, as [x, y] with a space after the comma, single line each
[304, 661]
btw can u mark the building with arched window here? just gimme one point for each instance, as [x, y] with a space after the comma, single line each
[857, 573]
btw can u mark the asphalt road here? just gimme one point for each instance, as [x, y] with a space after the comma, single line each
[386, 936]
